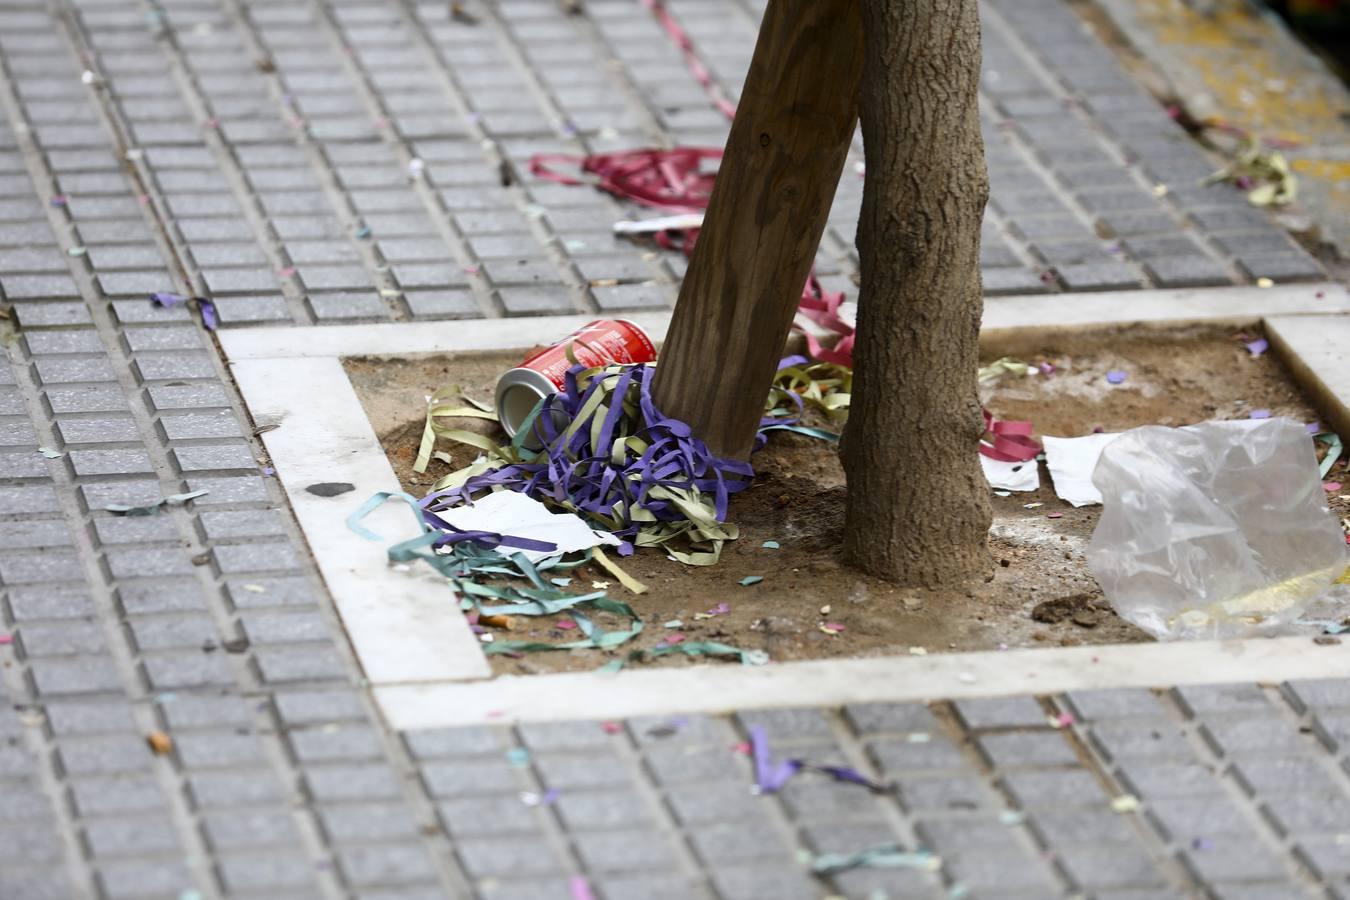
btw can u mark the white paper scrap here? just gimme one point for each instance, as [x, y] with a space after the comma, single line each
[1071, 461]
[1011, 476]
[512, 513]
[681, 222]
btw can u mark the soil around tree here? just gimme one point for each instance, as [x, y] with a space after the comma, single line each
[1041, 592]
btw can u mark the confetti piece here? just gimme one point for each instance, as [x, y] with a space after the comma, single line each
[1063, 720]
[50, 453]
[673, 623]
[255, 588]
[1331, 487]
[1259, 414]
[1012, 818]
[770, 545]
[1125, 803]
[918, 651]
[831, 628]
[825, 610]
[599, 585]
[1032, 505]
[671, 639]
[6, 639]
[756, 579]
[160, 743]
[1257, 347]
[77, 251]
[567, 624]
[1054, 515]
[918, 737]
[611, 727]
[1116, 376]
[967, 678]
[530, 798]
[363, 231]
[518, 757]
[1264, 283]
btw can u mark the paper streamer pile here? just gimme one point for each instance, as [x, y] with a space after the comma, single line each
[611, 457]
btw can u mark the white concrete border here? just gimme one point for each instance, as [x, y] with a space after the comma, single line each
[426, 667]
[404, 626]
[1041, 314]
[832, 682]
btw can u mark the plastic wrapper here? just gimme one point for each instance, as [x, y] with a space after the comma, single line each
[1215, 530]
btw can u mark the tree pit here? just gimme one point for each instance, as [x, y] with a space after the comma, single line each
[1039, 591]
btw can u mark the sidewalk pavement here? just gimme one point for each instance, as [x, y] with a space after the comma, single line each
[345, 163]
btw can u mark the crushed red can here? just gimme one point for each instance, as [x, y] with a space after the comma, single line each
[597, 343]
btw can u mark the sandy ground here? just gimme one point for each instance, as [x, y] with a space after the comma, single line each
[1039, 593]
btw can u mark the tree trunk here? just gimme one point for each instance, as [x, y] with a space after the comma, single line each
[918, 504]
[769, 205]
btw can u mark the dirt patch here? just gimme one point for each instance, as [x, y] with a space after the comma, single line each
[1040, 592]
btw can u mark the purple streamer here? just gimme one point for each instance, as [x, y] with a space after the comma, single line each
[208, 311]
[206, 307]
[770, 776]
[850, 775]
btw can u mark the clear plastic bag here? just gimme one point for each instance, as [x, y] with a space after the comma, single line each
[1214, 530]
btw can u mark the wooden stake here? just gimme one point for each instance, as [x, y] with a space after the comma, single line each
[768, 209]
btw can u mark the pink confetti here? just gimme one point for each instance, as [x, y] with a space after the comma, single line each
[286, 272]
[581, 888]
[211, 123]
[833, 626]
[611, 727]
[673, 639]
[1047, 368]
[1064, 720]
[1331, 487]
[566, 624]
[1054, 515]
[60, 200]
[720, 609]
[6, 639]
[473, 270]
[742, 748]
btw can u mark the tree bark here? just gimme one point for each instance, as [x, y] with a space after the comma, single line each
[769, 205]
[918, 504]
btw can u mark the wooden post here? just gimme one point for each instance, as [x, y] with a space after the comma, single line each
[768, 209]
